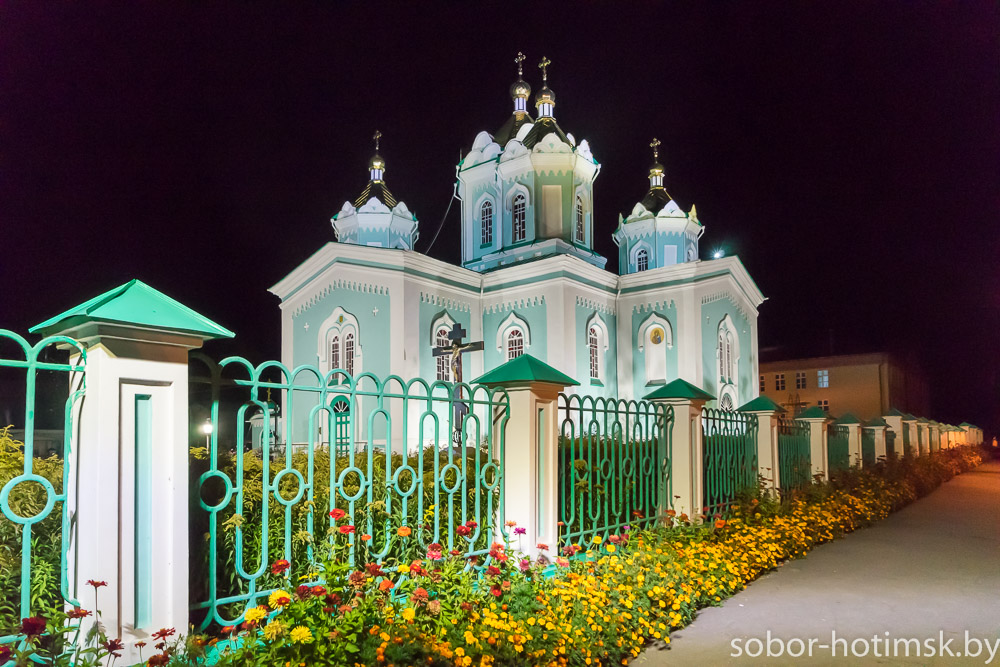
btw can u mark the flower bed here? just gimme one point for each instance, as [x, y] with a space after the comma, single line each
[600, 604]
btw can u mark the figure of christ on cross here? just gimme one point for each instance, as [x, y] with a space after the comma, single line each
[455, 351]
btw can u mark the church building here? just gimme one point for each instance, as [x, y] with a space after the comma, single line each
[530, 281]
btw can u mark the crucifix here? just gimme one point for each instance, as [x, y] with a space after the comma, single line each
[376, 137]
[544, 66]
[455, 351]
[519, 59]
[655, 145]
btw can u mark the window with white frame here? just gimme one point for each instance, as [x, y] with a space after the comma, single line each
[443, 365]
[349, 352]
[515, 344]
[486, 223]
[592, 346]
[335, 352]
[779, 382]
[580, 229]
[800, 379]
[823, 379]
[339, 343]
[642, 260]
[519, 214]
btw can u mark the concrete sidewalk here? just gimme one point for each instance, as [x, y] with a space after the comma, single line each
[931, 570]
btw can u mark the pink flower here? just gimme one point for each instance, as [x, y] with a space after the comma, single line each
[520, 531]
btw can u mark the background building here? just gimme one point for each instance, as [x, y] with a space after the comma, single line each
[866, 385]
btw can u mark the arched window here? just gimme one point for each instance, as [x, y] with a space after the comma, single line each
[486, 223]
[730, 371]
[580, 232]
[335, 353]
[349, 353]
[641, 260]
[443, 367]
[722, 357]
[519, 218]
[515, 344]
[595, 368]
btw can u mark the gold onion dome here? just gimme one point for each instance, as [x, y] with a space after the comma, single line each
[545, 96]
[520, 88]
[377, 162]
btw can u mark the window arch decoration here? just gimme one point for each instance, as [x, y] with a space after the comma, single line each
[486, 217]
[339, 344]
[443, 322]
[655, 337]
[727, 359]
[518, 205]
[522, 338]
[640, 250]
[596, 337]
[580, 215]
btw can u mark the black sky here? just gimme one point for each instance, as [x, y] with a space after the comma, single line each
[849, 152]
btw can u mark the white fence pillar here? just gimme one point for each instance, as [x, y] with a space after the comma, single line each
[817, 420]
[768, 462]
[910, 427]
[128, 471]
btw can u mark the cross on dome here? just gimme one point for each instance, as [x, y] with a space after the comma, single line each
[545, 100]
[544, 65]
[520, 58]
[376, 137]
[655, 145]
[376, 168]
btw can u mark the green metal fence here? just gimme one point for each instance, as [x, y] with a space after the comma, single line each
[730, 457]
[838, 453]
[614, 465]
[907, 447]
[386, 453]
[867, 447]
[794, 459]
[35, 526]
[890, 443]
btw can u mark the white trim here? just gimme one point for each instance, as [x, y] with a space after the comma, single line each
[650, 321]
[442, 320]
[332, 327]
[652, 365]
[512, 321]
[596, 322]
[634, 255]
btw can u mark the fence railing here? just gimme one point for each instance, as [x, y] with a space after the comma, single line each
[794, 458]
[730, 457]
[614, 465]
[35, 526]
[838, 448]
[890, 443]
[389, 454]
[867, 447]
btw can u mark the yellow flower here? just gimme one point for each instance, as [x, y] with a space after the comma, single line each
[273, 630]
[276, 596]
[409, 613]
[611, 548]
[301, 635]
[598, 539]
[403, 569]
[255, 614]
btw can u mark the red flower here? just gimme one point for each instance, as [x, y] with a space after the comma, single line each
[158, 660]
[163, 633]
[492, 570]
[76, 612]
[347, 530]
[455, 552]
[32, 627]
[318, 591]
[113, 646]
[464, 531]
[337, 514]
[420, 595]
[542, 547]
[5, 653]
[374, 570]
[465, 606]
[228, 630]
[303, 591]
[280, 566]
[496, 592]
[96, 584]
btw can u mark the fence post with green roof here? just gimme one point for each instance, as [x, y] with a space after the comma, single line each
[817, 419]
[769, 456]
[128, 473]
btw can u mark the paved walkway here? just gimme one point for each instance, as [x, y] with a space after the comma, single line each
[928, 572]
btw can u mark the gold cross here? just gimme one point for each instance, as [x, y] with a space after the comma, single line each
[655, 144]
[519, 59]
[376, 137]
[544, 66]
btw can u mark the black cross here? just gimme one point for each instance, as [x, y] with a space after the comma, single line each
[455, 351]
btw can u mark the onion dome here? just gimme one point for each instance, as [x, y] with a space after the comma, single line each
[657, 197]
[545, 100]
[520, 91]
[376, 180]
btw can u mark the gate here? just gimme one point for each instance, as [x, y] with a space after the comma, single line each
[794, 459]
[35, 527]
[838, 452]
[614, 465]
[867, 447]
[408, 464]
[730, 457]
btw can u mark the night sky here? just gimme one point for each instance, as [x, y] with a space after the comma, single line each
[848, 152]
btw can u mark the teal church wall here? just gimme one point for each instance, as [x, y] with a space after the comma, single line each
[712, 315]
[534, 315]
[609, 380]
[639, 316]
[428, 314]
[373, 337]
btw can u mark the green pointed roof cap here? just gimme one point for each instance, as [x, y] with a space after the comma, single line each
[893, 412]
[135, 303]
[815, 412]
[964, 424]
[909, 417]
[848, 418]
[680, 389]
[524, 369]
[760, 404]
[878, 421]
[923, 420]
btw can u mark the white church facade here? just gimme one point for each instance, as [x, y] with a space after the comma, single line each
[530, 281]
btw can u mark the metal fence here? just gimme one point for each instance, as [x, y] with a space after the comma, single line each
[35, 526]
[391, 455]
[614, 465]
[730, 457]
[794, 458]
[890, 443]
[838, 453]
[907, 447]
[867, 447]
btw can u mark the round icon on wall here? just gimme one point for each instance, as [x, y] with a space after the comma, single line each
[656, 336]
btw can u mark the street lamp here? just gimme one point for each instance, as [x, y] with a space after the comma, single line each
[207, 429]
[718, 254]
